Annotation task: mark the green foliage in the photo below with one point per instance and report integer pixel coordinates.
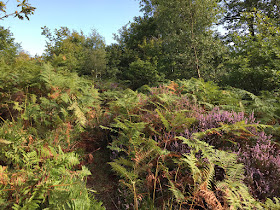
(208, 94)
(189, 46)
(235, 21)
(140, 153)
(254, 61)
(125, 103)
(54, 106)
(113, 54)
(48, 98)
(141, 73)
(138, 51)
(38, 175)
(203, 177)
(8, 46)
(272, 204)
(48, 110)
(76, 52)
(144, 131)
(177, 146)
(174, 41)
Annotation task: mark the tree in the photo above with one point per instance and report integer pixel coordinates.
(185, 28)
(132, 37)
(95, 55)
(113, 55)
(253, 31)
(75, 51)
(141, 73)
(8, 47)
(138, 46)
(176, 37)
(255, 59)
(235, 20)
(25, 10)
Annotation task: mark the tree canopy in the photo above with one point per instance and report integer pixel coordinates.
(76, 51)
(8, 47)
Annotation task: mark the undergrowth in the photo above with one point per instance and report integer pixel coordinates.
(187, 144)
(192, 145)
(43, 113)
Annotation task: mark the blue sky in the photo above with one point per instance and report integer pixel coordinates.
(106, 16)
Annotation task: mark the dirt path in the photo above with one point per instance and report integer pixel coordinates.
(103, 179)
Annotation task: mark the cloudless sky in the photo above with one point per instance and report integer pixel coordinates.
(106, 16)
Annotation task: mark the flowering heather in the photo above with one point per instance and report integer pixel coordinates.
(167, 114)
(262, 164)
(255, 149)
(214, 118)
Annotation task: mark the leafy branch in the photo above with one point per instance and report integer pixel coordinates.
(25, 10)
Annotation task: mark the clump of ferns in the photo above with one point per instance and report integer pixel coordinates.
(139, 160)
(200, 166)
(229, 131)
(141, 157)
(204, 153)
(37, 174)
(134, 168)
(192, 184)
(162, 121)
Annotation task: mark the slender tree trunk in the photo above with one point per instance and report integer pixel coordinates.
(251, 26)
(193, 45)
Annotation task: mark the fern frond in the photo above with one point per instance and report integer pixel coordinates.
(176, 192)
(208, 174)
(272, 204)
(163, 120)
(209, 197)
(191, 162)
(122, 171)
(81, 119)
